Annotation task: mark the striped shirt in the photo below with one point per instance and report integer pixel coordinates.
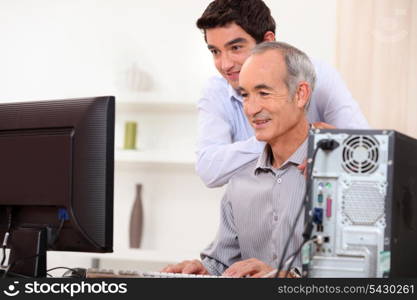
(257, 213)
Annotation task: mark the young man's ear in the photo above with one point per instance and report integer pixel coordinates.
(302, 94)
(269, 36)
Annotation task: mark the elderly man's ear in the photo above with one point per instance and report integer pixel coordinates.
(302, 94)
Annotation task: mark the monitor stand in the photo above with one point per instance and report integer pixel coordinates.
(28, 251)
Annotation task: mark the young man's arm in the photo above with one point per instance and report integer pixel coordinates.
(218, 157)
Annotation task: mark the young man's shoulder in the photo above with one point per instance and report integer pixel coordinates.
(216, 93)
(323, 69)
(216, 83)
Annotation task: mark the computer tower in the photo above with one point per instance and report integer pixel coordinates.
(362, 200)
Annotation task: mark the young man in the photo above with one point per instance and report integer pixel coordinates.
(262, 200)
(225, 140)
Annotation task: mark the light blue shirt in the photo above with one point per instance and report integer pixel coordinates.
(226, 140)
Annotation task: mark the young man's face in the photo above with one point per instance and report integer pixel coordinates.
(268, 105)
(230, 46)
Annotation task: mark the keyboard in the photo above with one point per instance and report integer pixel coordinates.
(96, 273)
(175, 275)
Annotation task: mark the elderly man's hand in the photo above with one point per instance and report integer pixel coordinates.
(187, 267)
(248, 268)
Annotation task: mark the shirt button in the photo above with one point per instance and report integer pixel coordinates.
(274, 257)
(275, 218)
(279, 180)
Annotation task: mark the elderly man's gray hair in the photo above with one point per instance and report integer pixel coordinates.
(299, 66)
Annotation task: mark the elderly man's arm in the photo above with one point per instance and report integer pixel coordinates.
(225, 249)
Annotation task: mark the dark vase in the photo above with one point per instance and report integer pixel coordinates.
(136, 219)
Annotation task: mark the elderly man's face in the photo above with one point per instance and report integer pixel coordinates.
(268, 105)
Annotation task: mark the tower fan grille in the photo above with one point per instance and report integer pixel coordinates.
(360, 154)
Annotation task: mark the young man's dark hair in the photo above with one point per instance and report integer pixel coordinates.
(252, 15)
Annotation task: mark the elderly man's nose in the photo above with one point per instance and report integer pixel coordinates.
(251, 106)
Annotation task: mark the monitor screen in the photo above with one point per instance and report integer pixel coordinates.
(56, 179)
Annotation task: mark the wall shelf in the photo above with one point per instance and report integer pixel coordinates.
(153, 103)
(157, 156)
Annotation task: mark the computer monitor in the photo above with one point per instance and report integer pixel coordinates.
(56, 179)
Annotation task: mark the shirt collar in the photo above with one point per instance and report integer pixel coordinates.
(264, 163)
(233, 94)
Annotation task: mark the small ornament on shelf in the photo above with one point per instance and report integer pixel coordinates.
(136, 219)
(130, 135)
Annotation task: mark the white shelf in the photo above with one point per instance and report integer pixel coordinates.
(157, 156)
(153, 103)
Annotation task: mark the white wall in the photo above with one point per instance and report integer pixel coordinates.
(55, 49)
(63, 48)
(308, 25)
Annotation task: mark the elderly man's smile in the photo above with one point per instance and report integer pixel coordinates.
(259, 124)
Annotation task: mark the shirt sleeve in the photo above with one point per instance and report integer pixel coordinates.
(224, 250)
(335, 104)
(218, 157)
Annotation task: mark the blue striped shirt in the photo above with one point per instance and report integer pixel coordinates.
(257, 213)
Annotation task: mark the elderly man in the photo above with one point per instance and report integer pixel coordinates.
(262, 200)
